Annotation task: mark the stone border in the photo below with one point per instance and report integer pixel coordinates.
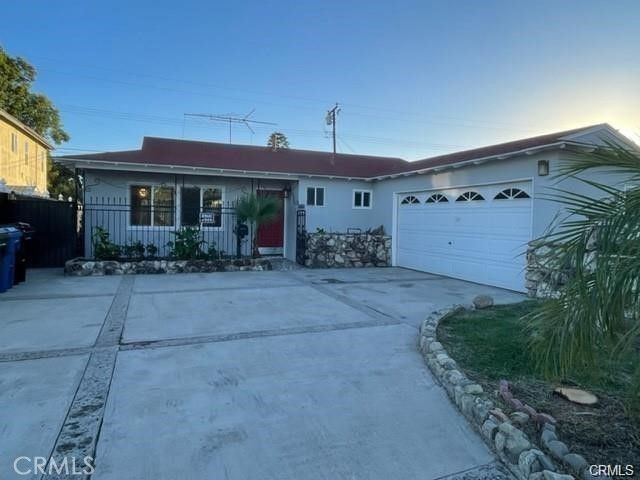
(522, 457)
(83, 267)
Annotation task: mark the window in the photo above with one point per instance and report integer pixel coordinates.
(26, 153)
(201, 207)
(511, 193)
(315, 196)
(152, 206)
(469, 197)
(436, 198)
(14, 143)
(362, 199)
(163, 210)
(409, 200)
(211, 207)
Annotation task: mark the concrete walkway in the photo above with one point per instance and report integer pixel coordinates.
(306, 374)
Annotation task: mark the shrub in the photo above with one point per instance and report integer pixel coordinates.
(135, 250)
(152, 250)
(187, 244)
(103, 248)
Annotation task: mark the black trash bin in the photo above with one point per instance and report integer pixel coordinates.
(24, 253)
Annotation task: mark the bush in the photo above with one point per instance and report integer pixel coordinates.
(134, 251)
(152, 251)
(103, 248)
(187, 244)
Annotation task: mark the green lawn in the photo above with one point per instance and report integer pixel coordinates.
(490, 342)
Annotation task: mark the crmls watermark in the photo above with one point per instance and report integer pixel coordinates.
(66, 466)
(614, 471)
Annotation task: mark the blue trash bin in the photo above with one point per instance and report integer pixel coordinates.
(4, 259)
(8, 260)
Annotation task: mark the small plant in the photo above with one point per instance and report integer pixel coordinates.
(103, 248)
(320, 230)
(187, 244)
(151, 250)
(213, 253)
(135, 250)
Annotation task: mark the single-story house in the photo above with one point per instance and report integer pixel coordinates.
(468, 214)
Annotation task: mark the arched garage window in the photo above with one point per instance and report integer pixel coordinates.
(469, 197)
(409, 200)
(436, 198)
(511, 193)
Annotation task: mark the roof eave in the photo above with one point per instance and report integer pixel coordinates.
(478, 160)
(30, 131)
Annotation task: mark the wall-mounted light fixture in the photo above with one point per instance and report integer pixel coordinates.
(543, 168)
(286, 191)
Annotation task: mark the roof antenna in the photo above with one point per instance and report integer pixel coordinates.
(231, 119)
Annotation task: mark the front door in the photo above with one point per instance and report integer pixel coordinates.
(271, 235)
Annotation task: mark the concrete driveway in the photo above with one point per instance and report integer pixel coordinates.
(305, 374)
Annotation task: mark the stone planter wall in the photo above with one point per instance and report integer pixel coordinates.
(82, 267)
(543, 281)
(326, 250)
(524, 459)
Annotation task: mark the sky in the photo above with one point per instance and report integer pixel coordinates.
(413, 79)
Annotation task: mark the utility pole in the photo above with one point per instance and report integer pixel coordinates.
(331, 120)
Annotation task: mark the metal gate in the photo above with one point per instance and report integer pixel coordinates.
(56, 227)
(301, 236)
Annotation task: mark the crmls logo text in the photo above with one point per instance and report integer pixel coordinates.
(66, 466)
(611, 470)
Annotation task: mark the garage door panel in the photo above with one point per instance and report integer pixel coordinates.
(482, 241)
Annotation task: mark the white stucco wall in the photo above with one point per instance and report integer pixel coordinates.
(337, 214)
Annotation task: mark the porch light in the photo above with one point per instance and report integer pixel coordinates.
(142, 193)
(543, 168)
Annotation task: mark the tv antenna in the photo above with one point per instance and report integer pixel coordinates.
(231, 119)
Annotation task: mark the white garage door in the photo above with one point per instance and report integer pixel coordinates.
(473, 233)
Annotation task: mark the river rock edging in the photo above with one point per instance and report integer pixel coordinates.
(523, 458)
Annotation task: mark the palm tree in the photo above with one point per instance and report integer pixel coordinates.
(259, 211)
(597, 246)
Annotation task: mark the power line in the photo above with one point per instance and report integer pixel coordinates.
(172, 121)
(467, 123)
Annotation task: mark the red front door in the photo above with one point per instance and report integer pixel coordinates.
(271, 235)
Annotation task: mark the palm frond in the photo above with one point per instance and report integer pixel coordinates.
(596, 244)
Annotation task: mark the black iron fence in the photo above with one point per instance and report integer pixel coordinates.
(301, 236)
(56, 226)
(123, 231)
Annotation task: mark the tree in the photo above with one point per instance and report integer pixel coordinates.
(258, 211)
(278, 141)
(37, 112)
(597, 313)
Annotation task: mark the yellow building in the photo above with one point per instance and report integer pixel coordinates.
(23, 158)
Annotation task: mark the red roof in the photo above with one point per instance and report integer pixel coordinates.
(189, 153)
(494, 150)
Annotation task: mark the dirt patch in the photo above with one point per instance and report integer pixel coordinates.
(602, 434)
